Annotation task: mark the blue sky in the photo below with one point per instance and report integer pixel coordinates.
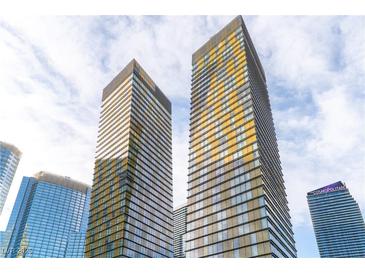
(53, 70)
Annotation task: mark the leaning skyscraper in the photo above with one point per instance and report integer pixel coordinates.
(131, 212)
(237, 205)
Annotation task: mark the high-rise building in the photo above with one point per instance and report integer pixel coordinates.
(49, 218)
(338, 224)
(237, 205)
(9, 160)
(131, 212)
(180, 231)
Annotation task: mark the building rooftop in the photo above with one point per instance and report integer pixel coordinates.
(11, 147)
(134, 66)
(218, 37)
(338, 186)
(61, 180)
(222, 34)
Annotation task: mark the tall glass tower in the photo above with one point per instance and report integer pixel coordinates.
(180, 231)
(9, 160)
(237, 205)
(131, 211)
(49, 218)
(338, 224)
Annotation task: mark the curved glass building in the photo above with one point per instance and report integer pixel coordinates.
(49, 218)
(9, 160)
(338, 224)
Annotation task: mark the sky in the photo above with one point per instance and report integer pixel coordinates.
(53, 70)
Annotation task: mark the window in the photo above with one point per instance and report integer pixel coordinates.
(225, 235)
(264, 223)
(246, 228)
(220, 247)
(192, 156)
(236, 243)
(253, 238)
(220, 236)
(262, 201)
(254, 250)
(245, 216)
(262, 212)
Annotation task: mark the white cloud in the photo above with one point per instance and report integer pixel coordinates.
(315, 67)
(52, 73)
(53, 70)
(49, 98)
(180, 162)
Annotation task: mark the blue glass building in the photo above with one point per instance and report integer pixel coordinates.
(9, 160)
(49, 218)
(337, 221)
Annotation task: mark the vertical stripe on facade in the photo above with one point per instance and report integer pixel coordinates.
(237, 204)
(131, 211)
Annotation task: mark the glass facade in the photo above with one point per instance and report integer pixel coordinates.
(180, 231)
(237, 204)
(49, 218)
(131, 211)
(338, 224)
(9, 160)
